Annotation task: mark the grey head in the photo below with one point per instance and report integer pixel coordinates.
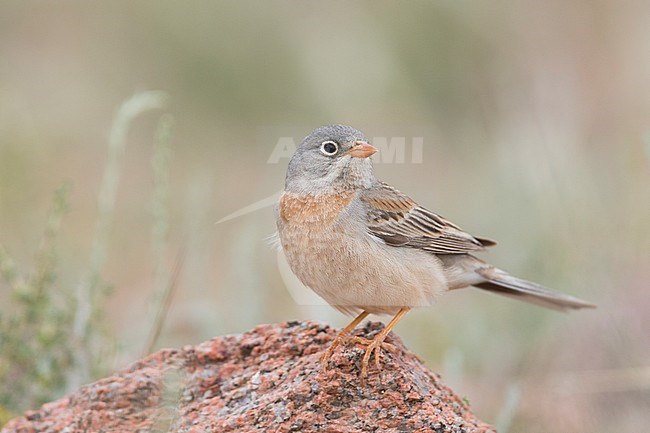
(331, 157)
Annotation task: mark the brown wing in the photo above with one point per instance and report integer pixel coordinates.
(399, 221)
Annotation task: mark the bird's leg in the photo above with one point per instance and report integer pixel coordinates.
(377, 343)
(340, 338)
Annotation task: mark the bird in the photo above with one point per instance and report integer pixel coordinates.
(367, 248)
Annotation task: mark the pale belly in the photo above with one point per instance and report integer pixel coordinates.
(354, 271)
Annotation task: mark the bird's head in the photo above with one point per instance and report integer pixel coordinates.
(334, 157)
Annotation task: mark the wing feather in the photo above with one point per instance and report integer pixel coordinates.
(399, 221)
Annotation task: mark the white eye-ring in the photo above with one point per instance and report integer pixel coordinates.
(329, 147)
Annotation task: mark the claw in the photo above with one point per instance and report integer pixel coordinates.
(375, 345)
(324, 359)
(341, 338)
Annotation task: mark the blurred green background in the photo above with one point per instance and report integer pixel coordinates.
(535, 121)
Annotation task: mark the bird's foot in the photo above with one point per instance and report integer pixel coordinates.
(340, 340)
(375, 345)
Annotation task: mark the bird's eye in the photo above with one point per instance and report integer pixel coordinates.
(329, 148)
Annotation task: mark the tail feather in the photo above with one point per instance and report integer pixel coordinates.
(505, 284)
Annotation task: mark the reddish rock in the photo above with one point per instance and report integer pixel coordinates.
(266, 380)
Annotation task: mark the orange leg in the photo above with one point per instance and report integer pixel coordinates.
(377, 343)
(340, 338)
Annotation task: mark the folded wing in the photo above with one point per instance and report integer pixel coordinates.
(398, 220)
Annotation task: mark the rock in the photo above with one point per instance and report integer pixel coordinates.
(266, 380)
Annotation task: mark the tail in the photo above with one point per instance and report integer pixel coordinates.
(505, 284)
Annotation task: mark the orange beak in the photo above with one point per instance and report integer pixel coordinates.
(361, 149)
